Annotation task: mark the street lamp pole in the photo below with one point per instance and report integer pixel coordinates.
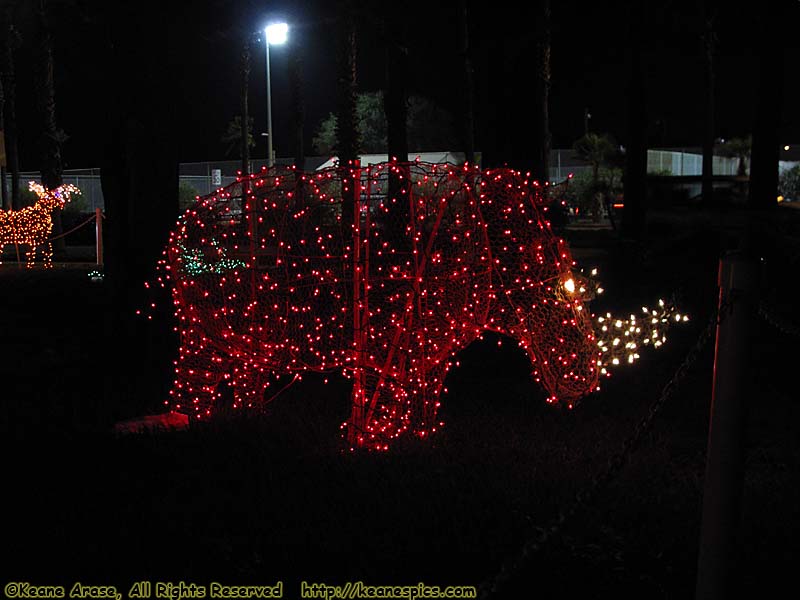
(275, 33)
(269, 109)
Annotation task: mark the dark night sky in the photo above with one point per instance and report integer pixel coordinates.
(588, 66)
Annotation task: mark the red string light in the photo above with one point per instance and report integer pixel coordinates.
(272, 277)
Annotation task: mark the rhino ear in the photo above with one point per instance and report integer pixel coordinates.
(578, 286)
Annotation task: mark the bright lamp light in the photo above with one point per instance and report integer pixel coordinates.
(276, 33)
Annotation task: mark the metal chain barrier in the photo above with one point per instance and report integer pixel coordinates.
(778, 322)
(545, 535)
(66, 233)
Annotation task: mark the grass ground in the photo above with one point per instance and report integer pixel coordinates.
(272, 497)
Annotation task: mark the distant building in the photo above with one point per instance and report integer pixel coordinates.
(661, 161)
(453, 158)
(205, 177)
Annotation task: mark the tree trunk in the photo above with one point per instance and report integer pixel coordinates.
(396, 108)
(709, 41)
(347, 135)
(51, 166)
(635, 185)
(297, 102)
(10, 42)
(468, 106)
(741, 167)
(395, 103)
(541, 163)
(765, 155)
(4, 200)
(139, 176)
(244, 143)
(496, 126)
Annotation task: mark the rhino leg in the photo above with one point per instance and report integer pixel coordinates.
(380, 412)
(425, 398)
(249, 381)
(394, 406)
(197, 377)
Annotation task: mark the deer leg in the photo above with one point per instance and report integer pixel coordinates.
(30, 256)
(47, 252)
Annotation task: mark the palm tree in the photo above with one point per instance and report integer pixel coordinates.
(468, 108)
(52, 138)
(738, 148)
(541, 163)
(763, 191)
(244, 132)
(139, 176)
(346, 119)
(395, 99)
(232, 138)
(9, 42)
(297, 103)
(395, 106)
(594, 149)
(635, 183)
(597, 150)
(347, 135)
(709, 43)
(4, 204)
(428, 126)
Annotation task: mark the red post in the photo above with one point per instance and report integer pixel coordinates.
(738, 280)
(98, 234)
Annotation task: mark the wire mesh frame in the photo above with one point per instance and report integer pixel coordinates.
(271, 277)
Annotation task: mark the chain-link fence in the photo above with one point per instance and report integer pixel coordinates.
(205, 177)
(86, 180)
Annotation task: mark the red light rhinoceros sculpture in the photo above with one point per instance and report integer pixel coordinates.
(383, 273)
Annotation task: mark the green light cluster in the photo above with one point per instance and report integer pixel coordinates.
(195, 263)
